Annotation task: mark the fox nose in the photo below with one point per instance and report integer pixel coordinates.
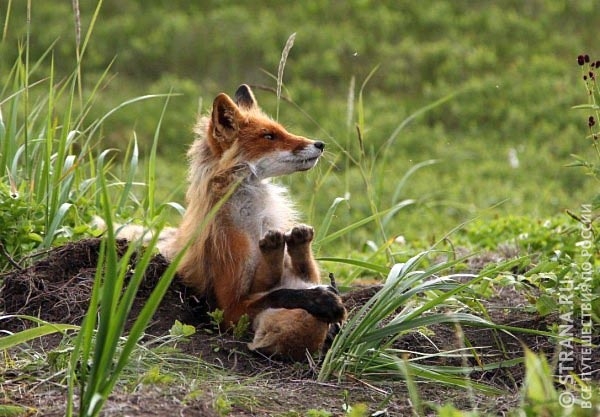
(319, 145)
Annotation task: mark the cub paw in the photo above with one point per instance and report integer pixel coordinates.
(299, 235)
(332, 331)
(327, 305)
(273, 239)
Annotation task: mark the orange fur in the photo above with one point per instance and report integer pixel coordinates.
(252, 245)
(289, 332)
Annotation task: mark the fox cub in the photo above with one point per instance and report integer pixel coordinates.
(247, 250)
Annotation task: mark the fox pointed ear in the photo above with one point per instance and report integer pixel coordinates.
(225, 115)
(245, 98)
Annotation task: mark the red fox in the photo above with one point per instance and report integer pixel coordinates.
(252, 256)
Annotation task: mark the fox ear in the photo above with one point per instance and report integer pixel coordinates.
(245, 98)
(225, 114)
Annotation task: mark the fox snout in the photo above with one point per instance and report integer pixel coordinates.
(307, 157)
(314, 149)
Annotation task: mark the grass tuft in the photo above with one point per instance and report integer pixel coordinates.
(411, 298)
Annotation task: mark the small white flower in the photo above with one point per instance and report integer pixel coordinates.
(513, 158)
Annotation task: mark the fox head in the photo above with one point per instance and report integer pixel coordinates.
(239, 126)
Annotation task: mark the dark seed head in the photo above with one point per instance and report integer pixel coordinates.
(580, 60)
(586, 58)
(591, 121)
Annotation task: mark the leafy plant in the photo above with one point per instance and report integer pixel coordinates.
(50, 160)
(180, 330)
(242, 327)
(589, 68)
(365, 346)
(22, 224)
(216, 317)
(223, 405)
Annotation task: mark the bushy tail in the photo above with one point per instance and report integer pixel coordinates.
(135, 232)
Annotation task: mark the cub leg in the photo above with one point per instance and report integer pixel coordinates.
(270, 265)
(303, 265)
(319, 301)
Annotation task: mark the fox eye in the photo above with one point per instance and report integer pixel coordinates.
(269, 136)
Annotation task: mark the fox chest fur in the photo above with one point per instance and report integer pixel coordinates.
(258, 206)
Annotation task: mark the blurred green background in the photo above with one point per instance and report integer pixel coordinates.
(502, 141)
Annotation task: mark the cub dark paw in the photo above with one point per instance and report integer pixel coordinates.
(328, 306)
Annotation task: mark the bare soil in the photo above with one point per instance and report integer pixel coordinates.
(57, 289)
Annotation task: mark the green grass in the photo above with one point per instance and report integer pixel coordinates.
(510, 95)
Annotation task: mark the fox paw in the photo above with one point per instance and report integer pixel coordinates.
(272, 240)
(299, 235)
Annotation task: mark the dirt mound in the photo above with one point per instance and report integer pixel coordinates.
(58, 288)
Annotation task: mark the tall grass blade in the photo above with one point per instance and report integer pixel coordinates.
(413, 392)
(114, 297)
(151, 173)
(98, 123)
(360, 109)
(323, 229)
(131, 171)
(45, 328)
(284, 56)
(57, 220)
(400, 186)
(390, 141)
(337, 234)
(6, 20)
(88, 34)
(369, 266)
(78, 370)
